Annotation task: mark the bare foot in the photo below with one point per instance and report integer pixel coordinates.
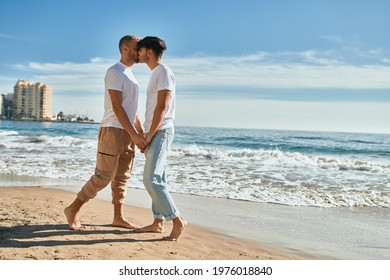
(179, 225)
(73, 219)
(157, 227)
(124, 224)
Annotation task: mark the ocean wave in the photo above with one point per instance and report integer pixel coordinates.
(4, 133)
(277, 157)
(32, 139)
(294, 195)
(44, 141)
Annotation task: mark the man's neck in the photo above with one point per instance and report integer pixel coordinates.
(153, 64)
(127, 62)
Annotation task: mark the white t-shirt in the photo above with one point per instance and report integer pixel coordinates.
(162, 78)
(119, 77)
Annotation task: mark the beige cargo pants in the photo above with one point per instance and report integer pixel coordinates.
(114, 162)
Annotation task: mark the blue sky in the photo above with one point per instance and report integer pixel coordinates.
(302, 65)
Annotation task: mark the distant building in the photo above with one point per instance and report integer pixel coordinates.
(32, 100)
(2, 104)
(8, 105)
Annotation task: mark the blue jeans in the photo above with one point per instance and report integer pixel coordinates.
(155, 177)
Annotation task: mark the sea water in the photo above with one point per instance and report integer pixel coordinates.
(298, 168)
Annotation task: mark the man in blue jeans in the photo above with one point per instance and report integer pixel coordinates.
(159, 132)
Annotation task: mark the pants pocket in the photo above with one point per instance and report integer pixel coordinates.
(106, 163)
(109, 141)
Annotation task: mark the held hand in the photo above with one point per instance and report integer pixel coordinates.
(147, 141)
(140, 142)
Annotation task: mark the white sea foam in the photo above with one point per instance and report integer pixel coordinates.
(4, 133)
(262, 175)
(280, 177)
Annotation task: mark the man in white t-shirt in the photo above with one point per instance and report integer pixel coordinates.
(159, 132)
(119, 132)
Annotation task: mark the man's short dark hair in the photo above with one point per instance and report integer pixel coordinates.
(153, 43)
(126, 40)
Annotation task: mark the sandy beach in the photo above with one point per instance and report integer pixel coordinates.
(32, 226)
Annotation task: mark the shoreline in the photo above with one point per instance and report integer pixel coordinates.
(304, 232)
(33, 227)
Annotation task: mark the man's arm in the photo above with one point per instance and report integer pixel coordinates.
(138, 125)
(159, 112)
(116, 101)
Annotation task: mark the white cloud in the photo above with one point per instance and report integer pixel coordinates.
(309, 69)
(96, 65)
(385, 60)
(299, 70)
(69, 76)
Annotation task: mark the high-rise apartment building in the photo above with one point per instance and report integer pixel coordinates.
(32, 100)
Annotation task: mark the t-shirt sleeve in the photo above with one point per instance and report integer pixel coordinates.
(166, 80)
(113, 80)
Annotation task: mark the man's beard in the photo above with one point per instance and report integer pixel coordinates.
(134, 58)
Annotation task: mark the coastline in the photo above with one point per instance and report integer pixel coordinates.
(48, 120)
(298, 232)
